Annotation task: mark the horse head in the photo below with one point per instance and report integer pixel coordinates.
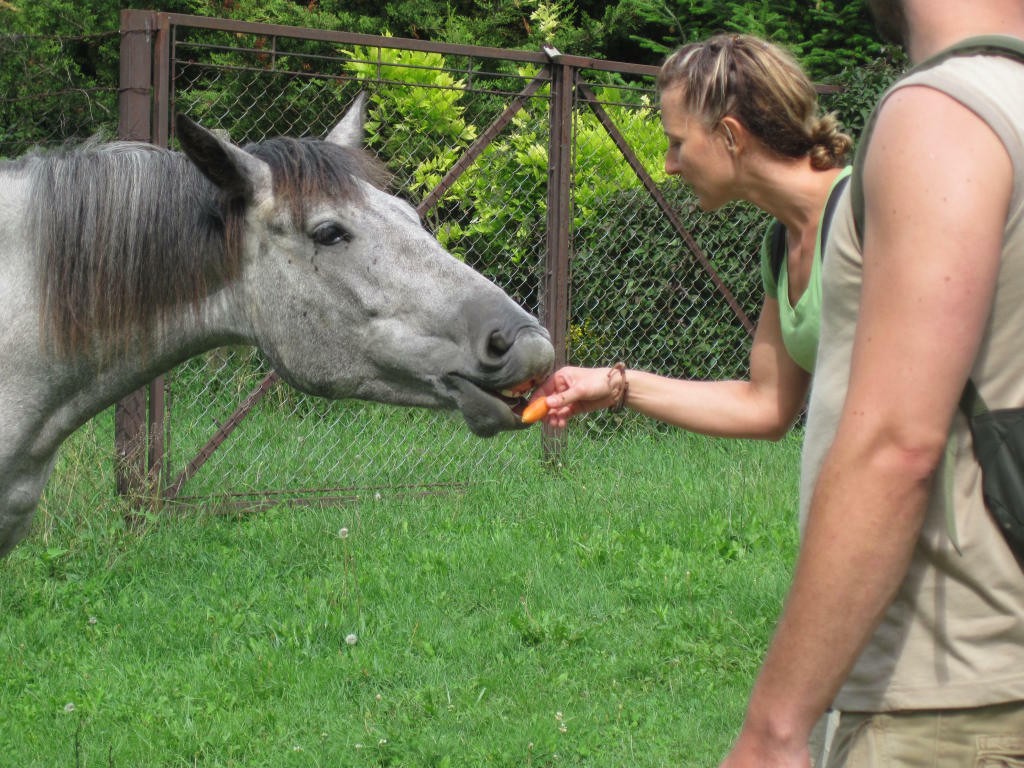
(348, 295)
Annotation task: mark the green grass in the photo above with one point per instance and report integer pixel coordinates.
(609, 612)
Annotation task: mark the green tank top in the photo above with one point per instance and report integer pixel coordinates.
(800, 323)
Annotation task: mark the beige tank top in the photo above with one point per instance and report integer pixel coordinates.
(954, 636)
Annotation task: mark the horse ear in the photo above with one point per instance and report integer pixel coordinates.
(232, 169)
(349, 132)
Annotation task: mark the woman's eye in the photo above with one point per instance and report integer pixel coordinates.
(331, 234)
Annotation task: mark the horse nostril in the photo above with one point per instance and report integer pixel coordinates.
(498, 344)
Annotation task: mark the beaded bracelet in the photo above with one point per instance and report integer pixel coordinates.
(619, 388)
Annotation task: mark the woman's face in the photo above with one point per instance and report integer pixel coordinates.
(700, 157)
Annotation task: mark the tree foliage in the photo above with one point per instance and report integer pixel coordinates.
(833, 39)
(827, 35)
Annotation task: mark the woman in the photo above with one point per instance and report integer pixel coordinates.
(742, 123)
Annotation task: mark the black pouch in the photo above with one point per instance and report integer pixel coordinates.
(999, 449)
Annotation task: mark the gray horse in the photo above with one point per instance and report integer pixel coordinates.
(118, 261)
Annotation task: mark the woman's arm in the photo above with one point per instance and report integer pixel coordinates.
(764, 406)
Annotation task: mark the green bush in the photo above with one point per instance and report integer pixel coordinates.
(861, 87)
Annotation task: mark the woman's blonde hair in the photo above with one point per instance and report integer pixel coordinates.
(763, 87)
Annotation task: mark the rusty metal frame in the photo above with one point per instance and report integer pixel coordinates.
(554, 310)
(134, 453)
(145, 105)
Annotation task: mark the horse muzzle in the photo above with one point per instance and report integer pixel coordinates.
(511, 359)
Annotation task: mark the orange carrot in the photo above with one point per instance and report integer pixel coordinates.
(535, 411)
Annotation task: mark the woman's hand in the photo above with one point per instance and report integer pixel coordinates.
(571, 391)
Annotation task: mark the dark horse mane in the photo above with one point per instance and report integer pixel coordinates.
(126, 232)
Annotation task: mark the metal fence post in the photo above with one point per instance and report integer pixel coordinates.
(135, 122)
(554, 307)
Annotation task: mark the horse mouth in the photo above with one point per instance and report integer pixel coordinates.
(517, 397)
(488, 410)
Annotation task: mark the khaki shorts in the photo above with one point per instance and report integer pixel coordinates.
(987, 737)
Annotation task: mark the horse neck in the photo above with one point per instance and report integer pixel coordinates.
(85, 384)
(181, 334)
(59, 389)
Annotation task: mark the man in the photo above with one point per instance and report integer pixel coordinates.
(912, 626)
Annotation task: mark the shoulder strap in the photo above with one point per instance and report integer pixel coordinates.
(777, 248)
(777, 244)
(830, 209)
(993, 45)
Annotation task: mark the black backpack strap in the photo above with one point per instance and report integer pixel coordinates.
(992, 45)
(777, 243)
(971, 403)
(777, 248)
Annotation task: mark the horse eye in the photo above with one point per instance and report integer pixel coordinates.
(331, 233)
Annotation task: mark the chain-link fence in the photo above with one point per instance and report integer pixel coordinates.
(582, 229)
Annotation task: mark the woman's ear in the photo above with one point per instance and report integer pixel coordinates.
(732, 131)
